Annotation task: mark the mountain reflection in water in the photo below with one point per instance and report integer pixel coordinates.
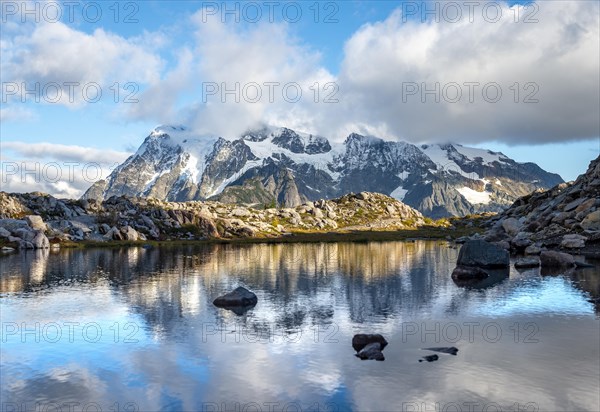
(523, 338)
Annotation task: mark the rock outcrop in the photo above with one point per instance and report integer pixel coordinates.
(140, 219)
(565, 217)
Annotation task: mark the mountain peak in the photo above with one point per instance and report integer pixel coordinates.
(176, 164)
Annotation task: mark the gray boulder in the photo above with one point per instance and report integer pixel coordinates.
(24, 233)
(130, 233)
(511, 226)
(4, 233)
(482, 254)
(113, 234)
(550, 258)
(573, 241)
(591, 221)
(527, 262)
(13, 224)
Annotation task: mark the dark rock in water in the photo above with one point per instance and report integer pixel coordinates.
(240, 298)
(528, 262)
(449, 350)
(430, 358)
(361, 340)
(583, 264)
(549, 258)
(468, 272)
(371, 352)
(558, 271)
(482, 254)
(495, 276)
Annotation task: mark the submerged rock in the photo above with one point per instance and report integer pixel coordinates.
(430, 358)
(468, 272)
(371, 352)
(240, 297)
(533, 250)
(449, 350)
(494, 277)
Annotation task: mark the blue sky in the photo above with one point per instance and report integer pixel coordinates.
(377, 59)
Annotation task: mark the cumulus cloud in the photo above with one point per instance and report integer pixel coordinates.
(231, 77)
(555, 61)
(66, 66)
(61, 170)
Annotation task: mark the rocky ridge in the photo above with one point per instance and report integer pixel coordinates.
(37, 220)
(280, 166)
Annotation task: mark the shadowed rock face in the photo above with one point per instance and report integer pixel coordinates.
(483, 254)
(361, 340)
(550, 258)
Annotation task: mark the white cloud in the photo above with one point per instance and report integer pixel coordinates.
(51, 56)
(64, 152)
(15, 113)
(560, 54)
(264, 58)
(61, 170)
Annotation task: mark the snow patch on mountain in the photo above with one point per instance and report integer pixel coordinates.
(472, 153)
(399, 193)
(474, 197)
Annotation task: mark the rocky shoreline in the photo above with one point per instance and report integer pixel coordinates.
(37, 220)
(565, 218)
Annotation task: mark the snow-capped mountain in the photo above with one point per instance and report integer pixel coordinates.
(281, 165)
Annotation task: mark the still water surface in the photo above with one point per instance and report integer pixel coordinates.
(135, 330)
